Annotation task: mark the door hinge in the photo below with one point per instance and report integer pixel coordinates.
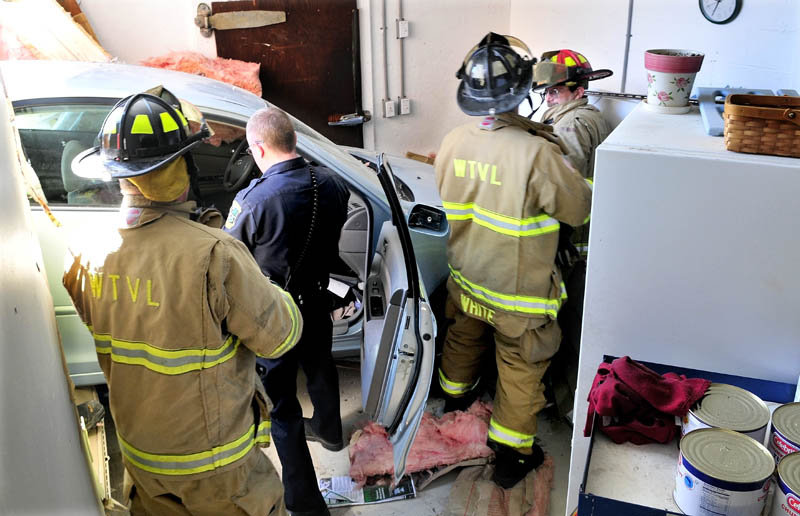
(208, 22)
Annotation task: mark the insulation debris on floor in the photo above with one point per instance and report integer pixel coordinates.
(475, 494)
(232, 71)
(42, 29)
(454, 440)
(455, 437)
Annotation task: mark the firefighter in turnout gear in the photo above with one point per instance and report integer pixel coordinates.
(178, 311)
(563, 76)
(506, 187)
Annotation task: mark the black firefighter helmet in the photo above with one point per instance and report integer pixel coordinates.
(142, 133)
(494, 77)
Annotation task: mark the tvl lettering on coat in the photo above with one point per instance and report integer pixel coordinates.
(482, 169)
(133, 284)
(468, 306)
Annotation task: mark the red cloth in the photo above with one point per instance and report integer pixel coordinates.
(640, 402)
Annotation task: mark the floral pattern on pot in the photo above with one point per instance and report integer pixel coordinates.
(669, 89)
(682, 83)
(664, 97)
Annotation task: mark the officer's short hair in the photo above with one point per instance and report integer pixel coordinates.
(273, 127)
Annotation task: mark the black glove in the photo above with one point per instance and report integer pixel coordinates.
(567, 253)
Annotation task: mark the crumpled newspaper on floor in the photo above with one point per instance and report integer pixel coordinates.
(475, 494)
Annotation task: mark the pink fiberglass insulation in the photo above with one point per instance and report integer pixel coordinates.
(232, 71)
(455, 437)
(541, 488)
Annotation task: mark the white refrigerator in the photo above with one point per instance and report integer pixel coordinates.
(694, 258)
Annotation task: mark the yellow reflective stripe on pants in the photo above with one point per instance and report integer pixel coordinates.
(164, 361)
(503, 224)
(454, 388)
(523, 304)
(508, 437)
(190, 464)
(563, 292)
(294, 334)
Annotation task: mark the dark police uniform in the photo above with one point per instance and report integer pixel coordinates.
(272, 217)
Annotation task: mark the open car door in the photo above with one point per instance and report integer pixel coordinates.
(399, 333)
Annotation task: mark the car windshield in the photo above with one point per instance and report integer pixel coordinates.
(354, 168)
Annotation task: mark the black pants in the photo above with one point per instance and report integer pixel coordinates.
(279, 376)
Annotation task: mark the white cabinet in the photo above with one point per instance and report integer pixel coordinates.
(694, 258)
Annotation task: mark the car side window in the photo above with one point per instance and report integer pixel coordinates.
(52, 135)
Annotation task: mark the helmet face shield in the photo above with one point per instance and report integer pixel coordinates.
(547, 74)
(142, 133)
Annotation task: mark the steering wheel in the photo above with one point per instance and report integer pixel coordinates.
(239, 168)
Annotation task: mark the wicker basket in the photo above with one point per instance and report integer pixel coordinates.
(763, 124)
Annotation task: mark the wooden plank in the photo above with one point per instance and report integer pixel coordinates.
(42, 29)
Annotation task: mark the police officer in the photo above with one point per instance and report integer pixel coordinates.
(505, 186)
(291, 218)
(564, 75)
(178, 311)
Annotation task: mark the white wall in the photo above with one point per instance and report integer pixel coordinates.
(440, 35)
(132, 30)
(596, 29)
(756, 50)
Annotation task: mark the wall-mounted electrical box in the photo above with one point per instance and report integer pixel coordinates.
(405, 106)
(388, 108)
(402, 29)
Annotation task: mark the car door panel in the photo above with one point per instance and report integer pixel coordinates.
(399, 332)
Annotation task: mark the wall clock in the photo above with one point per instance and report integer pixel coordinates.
(720, 11)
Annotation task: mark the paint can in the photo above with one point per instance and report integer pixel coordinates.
(785, 436)
(787, 492)
(729, 407)
(722, 473)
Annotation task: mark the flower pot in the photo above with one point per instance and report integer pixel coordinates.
(670, 76)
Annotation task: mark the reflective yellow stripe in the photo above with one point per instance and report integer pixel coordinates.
(183, 118)
(454, 388)
(141, 125)
(163, 361)
(508, 437)
(563, 292)
(499, 223)
(262, 436)
(294, 333)
(192, 463)
(168, 123)
(524, 304)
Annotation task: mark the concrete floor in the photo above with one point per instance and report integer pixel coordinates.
(554, 434)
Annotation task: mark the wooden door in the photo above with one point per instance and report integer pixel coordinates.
(310, 64)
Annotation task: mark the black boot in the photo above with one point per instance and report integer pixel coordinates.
(461, 403)
(311, 435)
(512, 466)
